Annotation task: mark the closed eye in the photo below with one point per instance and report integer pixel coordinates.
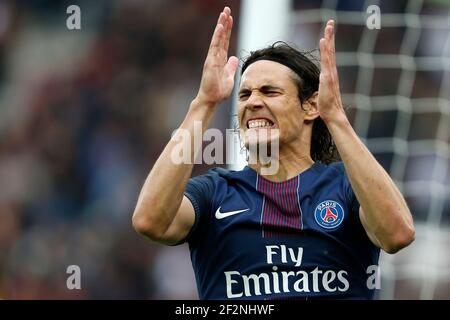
(272, 93)
(268, 91)
(243, 95)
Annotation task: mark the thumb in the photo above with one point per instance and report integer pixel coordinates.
(231, 66)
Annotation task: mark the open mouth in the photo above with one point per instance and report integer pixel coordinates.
(259, 123)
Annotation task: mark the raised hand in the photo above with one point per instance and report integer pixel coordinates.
(219, 70)
(329, 97)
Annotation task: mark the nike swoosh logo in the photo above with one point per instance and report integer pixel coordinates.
(221, 215)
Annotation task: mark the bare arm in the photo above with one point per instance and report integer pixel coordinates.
(383, 212)
(162, 212)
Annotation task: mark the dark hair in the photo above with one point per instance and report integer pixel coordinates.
(323, 148)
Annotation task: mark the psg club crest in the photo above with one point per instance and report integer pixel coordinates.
(329, 214)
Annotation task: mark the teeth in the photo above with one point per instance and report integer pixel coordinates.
(258, 124)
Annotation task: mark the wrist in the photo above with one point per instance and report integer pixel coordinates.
(201, 102)
(200, 111)
(338, 124)
(338, 119)
(341, 131)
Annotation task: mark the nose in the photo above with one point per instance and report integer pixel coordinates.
(254, 101)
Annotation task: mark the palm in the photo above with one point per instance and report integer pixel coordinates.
(217, 82)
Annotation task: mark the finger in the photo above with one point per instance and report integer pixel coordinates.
(331, 36)
(223, 37)
(329, 47)
(215, 41)
(330, 23)
(323, 56)
(217, 35)
(328, 64)
(228, 34)
(223, 17)
(231, 66)
(328, 32)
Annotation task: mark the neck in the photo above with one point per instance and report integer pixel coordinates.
(292, 161)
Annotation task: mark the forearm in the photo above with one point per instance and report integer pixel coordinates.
(384, 213)
(160, 213)
(163, 189)
(385, 210)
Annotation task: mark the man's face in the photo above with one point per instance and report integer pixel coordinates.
(267, 100)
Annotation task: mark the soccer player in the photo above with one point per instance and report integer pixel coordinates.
(313, 229)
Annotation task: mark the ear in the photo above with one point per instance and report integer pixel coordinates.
(310, 107)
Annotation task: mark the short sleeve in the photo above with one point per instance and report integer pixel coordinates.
(200, 191)
(354, 203)
(351, 200)
(350, 195)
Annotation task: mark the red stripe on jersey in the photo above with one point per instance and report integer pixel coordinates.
(281, 214)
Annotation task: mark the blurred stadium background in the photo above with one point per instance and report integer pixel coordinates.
(84, 115)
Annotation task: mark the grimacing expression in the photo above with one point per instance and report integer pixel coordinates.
(268, 99)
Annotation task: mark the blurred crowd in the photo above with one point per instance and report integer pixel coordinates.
(84, 114)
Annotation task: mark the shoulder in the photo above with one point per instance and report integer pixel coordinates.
(332, 175)
(338, 167)
(333, 169)
(215, 173)
(212, 177)
(219, 173)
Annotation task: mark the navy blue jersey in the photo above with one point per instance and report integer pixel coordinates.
(301, 238)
